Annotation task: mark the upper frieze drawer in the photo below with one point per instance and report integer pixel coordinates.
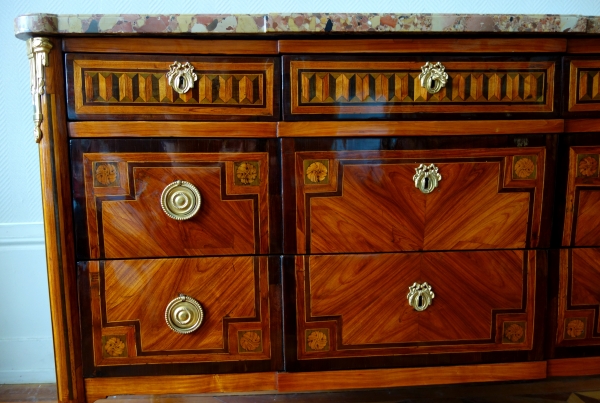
(349, 88)
(125, 87)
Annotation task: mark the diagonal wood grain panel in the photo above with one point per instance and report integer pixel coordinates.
(360, 302)
(582, 210)
(371, 204)
(129, 298)
(579, 297)
(125, 217)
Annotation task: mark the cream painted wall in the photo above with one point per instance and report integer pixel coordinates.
(25, 334)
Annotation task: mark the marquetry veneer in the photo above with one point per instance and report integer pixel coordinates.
(305, 246)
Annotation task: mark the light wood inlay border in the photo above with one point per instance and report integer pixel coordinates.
(172, 129)
(418, 128)
(170, 46)
(99, 388)
(423, 46)
(388, 378)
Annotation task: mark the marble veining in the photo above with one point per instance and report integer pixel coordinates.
(41, 24)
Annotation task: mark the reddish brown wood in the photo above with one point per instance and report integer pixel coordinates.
(579, 297)
(310, 88)
(173, 129)
(583, 77)
(443, 45)
(583, 45)
(99, 388)
(58, 229)
(480, 203)
(582, 126)
(417, 128)
(171, 46)
(102, 87)
(125, 217)
(129, 298)
(358, 303)
(582, 211)
(574, 366)
(387, 378)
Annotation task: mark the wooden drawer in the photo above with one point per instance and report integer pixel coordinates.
(356, 305)
(123, 189)
(348, 87)
(578, 298)
(583, 84)
(365, 200)
(582, 212)
(124, 307)
(117, 87)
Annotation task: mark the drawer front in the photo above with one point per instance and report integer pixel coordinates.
(582, 213)
(138, 87)
(357, 305)
(380, 88)
(368, 201)
(126, 303)
(579, 298)
(126, 200)
(584, 84)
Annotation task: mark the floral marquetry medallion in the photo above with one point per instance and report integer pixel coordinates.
(114, 346)
(106, 174)
(513, 332)
(317, 340)
(587, 165)
(524, 167)
(316, 172)
(575, 328)
(246, 173)
(250, 341)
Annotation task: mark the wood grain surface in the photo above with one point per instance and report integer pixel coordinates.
(428, 46)
(178, 46)
(386, 87)
(172, 129)
(416, 128)
(582, 45)
(359, 303)
(58, 224)
(582, 126)
(105, 86)
(128, 299)
(99, 388)
(125, 217)
(582, 210)
(369, 202)
(584, 88)
(387, 378)
(574, 366)
(579, 297)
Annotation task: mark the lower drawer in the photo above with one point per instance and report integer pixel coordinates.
(391, 309)
(577, 327)
(222, 312)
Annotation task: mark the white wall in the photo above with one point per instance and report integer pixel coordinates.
(25, 334)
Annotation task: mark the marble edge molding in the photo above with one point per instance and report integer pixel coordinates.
(76, 24)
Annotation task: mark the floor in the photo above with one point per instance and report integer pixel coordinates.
(571, 390)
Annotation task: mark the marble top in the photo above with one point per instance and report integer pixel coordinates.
(128, 24)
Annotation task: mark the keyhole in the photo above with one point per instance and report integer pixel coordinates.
(181, 82)
(431, 83)
(420, 303)
(426, 183)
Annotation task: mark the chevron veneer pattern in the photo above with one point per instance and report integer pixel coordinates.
(405, 86)
(589, 85)
(153, 87)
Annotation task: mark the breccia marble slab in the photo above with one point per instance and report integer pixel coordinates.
(42, 24)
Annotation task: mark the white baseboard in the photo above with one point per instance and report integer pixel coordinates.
(26, 350)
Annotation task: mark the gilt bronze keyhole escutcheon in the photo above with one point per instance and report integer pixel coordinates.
(426, 178)
(420, 296)
(433, 77)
